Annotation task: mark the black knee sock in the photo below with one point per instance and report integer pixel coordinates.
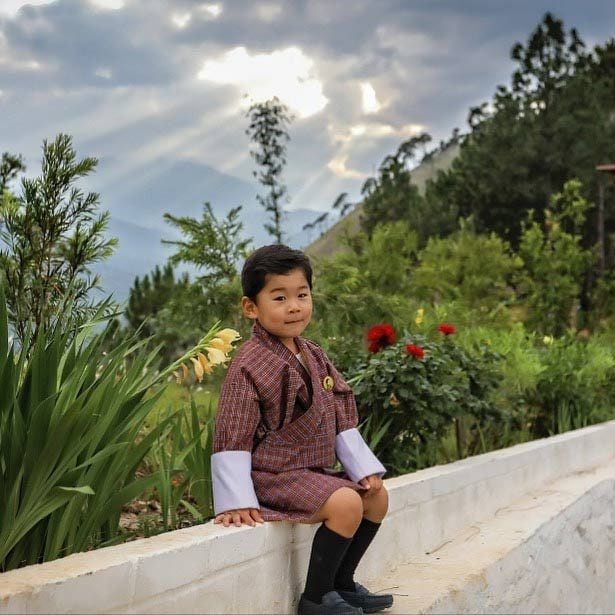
(344, 579)
(328, 550)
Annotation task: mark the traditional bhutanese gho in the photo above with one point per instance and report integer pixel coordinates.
(282, 421)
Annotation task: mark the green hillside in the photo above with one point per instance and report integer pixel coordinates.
(329, 242)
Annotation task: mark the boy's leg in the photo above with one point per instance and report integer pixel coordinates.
(375, 508)
(341, 514)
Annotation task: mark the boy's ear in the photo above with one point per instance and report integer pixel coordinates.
(249, 308)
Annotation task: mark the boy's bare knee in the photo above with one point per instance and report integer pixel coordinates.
(346, 500)
(384, 499)
(376, 505)
(345, 505)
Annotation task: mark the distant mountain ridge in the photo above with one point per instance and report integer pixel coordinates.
(137, 205)
(329, 243)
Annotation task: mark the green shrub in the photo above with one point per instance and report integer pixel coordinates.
(367, 285)
(478, 270)
(555, 261)
(576, 387)
(420, 399)
(71, 439)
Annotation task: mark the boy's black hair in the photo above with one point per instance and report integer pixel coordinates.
(277, 259)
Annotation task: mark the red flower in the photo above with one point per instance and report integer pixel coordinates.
(416, 351)
(446, 329)
(380, 336)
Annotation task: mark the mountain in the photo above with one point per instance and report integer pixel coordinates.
(329, 243)
(138, 202)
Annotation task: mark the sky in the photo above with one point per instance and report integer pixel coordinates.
(148, 84)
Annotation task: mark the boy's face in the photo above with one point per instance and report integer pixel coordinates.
(283, 307)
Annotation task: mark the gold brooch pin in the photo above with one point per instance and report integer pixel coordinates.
(327, 383)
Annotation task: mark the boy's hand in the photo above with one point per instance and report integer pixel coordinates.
(373, 483)
(249, 516)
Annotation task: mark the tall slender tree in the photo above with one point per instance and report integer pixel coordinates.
(268, 130)
(51, 234)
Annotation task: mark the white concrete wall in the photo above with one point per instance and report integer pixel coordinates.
(550, 551)
(209, 569)
(567, 565)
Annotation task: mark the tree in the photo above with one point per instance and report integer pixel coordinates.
(391, 196)
(213, 246)
(369, 283)
(342, 204)
(555, 121)
(149, 295)
(267, 129)
(480, 270)
(52, 234)
(10, 166)
(555, 261)
(318, 223)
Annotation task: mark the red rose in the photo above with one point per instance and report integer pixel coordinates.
(446, 329)
(416, 351)
(380, 336)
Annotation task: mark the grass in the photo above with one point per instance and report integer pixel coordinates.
(176, 396)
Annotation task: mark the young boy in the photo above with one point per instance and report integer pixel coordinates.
(285, 414)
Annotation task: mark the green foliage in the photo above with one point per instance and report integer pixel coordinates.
(213, 246)
(575, 388)
(69, 419)
(147, 298)
(366, 285)
(554, 122)
(184, 316)
(71, 439)
(555, 261)
(603, 301)
(268, 131)
(420, 399)
(391, 196)
(175, 312)
(52, 234)
(173, 477)
(10, 167)
(480, 270)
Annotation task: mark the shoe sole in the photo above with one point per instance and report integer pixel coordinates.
(375, 608)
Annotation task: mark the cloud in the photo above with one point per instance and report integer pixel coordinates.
(370, 102)
(338, 167)
(11, 7)
(285, 73)
(181, 19)
(112, 5)
(360, 77)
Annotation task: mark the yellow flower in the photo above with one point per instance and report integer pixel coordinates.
(220, 344)
(228, 335)
(393, 400)
(198, 369)
(205, 364)
(216, 356)
(419, 316)
(185, 372)
(178, 378)
(548, 339)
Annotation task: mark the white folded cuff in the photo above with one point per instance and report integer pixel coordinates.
(356, 457)
(232, 481)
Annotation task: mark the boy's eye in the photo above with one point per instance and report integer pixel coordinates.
(280, 298)
(302, 295)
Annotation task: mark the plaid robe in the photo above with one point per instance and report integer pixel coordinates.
(277, 421)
